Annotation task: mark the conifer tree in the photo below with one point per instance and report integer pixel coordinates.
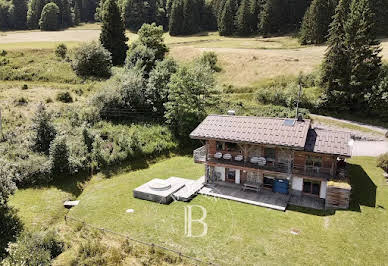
(190, 16)
(176, 18)
(315, 25)
(34, 12)
(19, 14)
(226, 23)
(336, 65)
(77, 13)
(364, 50)
(253, 15)
(242, 22)
(112, 35)
(273, 17)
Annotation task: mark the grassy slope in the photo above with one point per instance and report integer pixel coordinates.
(238, 233)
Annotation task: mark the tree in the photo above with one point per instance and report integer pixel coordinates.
(191, 16)
(112, 35)
(43, 130)
(49, 18)
(151, 36)
(273, 16)
(157, 87)
(59, 155)
(316, 22)
(226, 22)
(34, 12)
(92, 59)
(77, 13)
(352, 63)
(141, 58)
(19, 14)
(336, 65)
(190, 95)
(133, 14)
(253, 15)
(5, 16)
(364, 50)
(243, 19)
(175, 25)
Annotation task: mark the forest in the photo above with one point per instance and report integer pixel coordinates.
(185, 17)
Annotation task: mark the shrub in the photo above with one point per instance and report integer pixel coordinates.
(25, 87)
(34, 249)
(382, 162)
(49, 17)
(91, 253)
(61, 51)
(21, 101)
(64, 97)
(59, 156)
(210, 59)
(3, 53)
(92, 59)
(43, 130)
(4, 61)
(49, 100)
(141, 57)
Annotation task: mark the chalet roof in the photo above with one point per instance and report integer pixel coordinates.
(255, 130)
(327, 141)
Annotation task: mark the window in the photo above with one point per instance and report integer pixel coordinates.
(269, 153)
(311, 187)
(219, 146)
(314, 161)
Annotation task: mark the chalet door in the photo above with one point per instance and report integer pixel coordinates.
(230, 175)
(311, 187)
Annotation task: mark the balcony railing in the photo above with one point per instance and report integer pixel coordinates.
(270, 166)
(200, 155)
(312, 171)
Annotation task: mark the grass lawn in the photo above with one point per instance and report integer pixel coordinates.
(240, 233)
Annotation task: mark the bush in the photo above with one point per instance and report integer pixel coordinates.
(64, 97)
(21, 101)
(92, 59)
(382, 162)
(43, 130)
(25, 87)
(61, 51)
(34, 249)
(3, 53)
(210, 59)
(59, 156)
(49, 17)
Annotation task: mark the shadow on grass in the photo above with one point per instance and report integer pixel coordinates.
(363, 188)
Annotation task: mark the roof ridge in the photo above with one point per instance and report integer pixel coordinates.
(261, 117)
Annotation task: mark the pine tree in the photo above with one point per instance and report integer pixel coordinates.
(175, 24)
(34, 12)
(49, 18)
(242, 22)
(19, 14)
(133, 14)
(336, 65)
(364, 50)
(273, 17)
(77, 13)
(253, 15)
(315, 25)
(112, 35)
(190, 17)
(226, 23)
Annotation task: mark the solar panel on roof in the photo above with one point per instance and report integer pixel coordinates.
(289, 122)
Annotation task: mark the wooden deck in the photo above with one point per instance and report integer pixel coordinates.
(262, 198)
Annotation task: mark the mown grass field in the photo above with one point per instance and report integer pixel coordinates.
(238, 234)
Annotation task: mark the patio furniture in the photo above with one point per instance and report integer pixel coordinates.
(238, 158)
(251, 186)
(218, 155)
(254, 160)
(227, 156)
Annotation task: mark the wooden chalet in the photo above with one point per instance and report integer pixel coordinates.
(285, 156)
